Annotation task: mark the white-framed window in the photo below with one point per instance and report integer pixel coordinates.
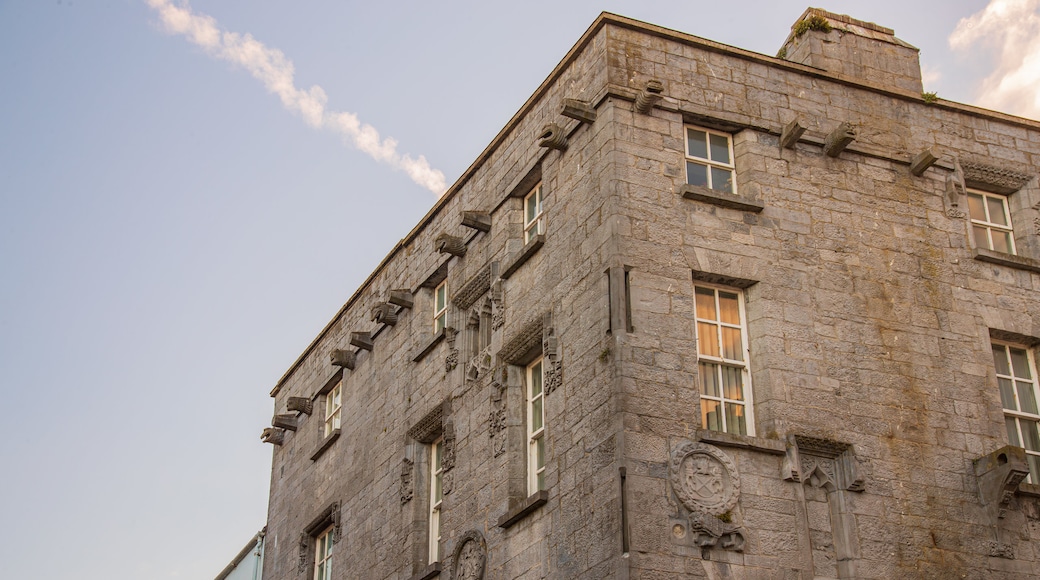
(722, 360)
(991, 221)
(333, 408)
(1019, 393)
(436, 496)
(535, 427)
(534, 220)
(440, 306)
(709, 159)
(323, 555)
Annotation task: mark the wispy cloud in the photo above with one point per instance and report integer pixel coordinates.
(271, 67)
(1011, 30)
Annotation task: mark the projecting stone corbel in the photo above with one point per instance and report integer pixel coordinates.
(791, 133)
(284, 421)
(343, 358)
(999, 474)
(449, 244)
(273, 435)
(552, 137)
(384, 313)
(922, 161)
(478, 220)
(361, 340)
(839, 139)
(578, 110)
(648, 97)
(402, 298)
(300, 405)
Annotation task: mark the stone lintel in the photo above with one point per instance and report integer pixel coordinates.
(402, 298)
(343, 358)
(728, 200)
(525, 253)
(578, 110)
(478, 220)
(325, 444)
(284, 421)
(361, 340)
(528, 505)
(1020, 262)
(839, 139)
(922, 161)
(427, 345)
(791, 133)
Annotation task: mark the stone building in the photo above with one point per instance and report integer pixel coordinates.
(695, 312)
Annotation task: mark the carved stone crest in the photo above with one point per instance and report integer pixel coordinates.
(497, 419)
(406, 480)
(704, 478)
(470, 557)
(1001, 550)
(452, 360)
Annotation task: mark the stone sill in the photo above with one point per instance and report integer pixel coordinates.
(431, 571)
(532, 503)
(326, 444)
(771, 446)
(1020, 262)
(525, 253)
(698, 193)
(1029, 489)
(428, 345)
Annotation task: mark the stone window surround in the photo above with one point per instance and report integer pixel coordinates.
(991, 227)
(534, 224)
(1019, 414)
(1032, 345)
(708, 161)
(326, 441)
(434, 451)
(327, 521)
(436, 427)
(748, 393)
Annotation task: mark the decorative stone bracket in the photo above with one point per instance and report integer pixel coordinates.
(449, 244)
(284, 421)
(839, 139)
(580, 111)
(648, 97)
(343, 358)
(999, 474)
(384, 313)
(273, 435)
(552, 137)
(362, 340)
(300, 405)
(402, 298)
(823, 463)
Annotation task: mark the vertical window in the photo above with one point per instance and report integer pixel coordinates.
(534, 221)
(323, 555)
(722, 361)
(333, 408)
(535, 428)
(1017, 380)
(436, 495)
(709, 159)
(440, 306)
(991, 221)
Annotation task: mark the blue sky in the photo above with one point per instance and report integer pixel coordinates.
(172, 236)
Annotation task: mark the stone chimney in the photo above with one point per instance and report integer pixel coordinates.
(862, 50)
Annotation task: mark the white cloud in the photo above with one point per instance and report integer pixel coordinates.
(1010, 30)
(271, 67)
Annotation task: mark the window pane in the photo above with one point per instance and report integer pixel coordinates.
(437, 494)
(1012, 431)
(437, 461)
(707, 339)
(1020, 362)
(1034, 468)
(696, 174)
(536, 414)
(976, 208)
(719, 148)
(1001, 241)
(982, 237)
(705, 303)
(1030, 437)
(532, 209)
(697, 141)
(710, 416)
(729, 308)
(996, 210)
(1000, 360)
(722, 180)
(732, 349)
(735, 422)
(539, 452)
(732, 383)
(536, 379)
(709, 379)
(1026, 397)
(1007, 394)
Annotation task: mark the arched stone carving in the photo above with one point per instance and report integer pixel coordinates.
(469, 560)
(704, 478)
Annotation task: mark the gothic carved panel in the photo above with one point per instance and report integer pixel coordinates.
(995, 178)
(472, 290)
(822, 463)
(469, 560)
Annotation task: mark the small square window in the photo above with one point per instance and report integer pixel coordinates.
(1019, 395)
(436, 496)
(991, 221)
(534, 377)
(534, 220)
(722, 361)
(333, 408)
(323, 555)
(440, 307)
(709, 160)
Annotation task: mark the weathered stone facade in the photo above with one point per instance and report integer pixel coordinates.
(876, 443)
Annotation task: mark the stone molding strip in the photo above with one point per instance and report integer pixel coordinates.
(532, 503)
(525, 254)
(325, 444)
(1020, 262)
(427, 346)
(728, 200)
